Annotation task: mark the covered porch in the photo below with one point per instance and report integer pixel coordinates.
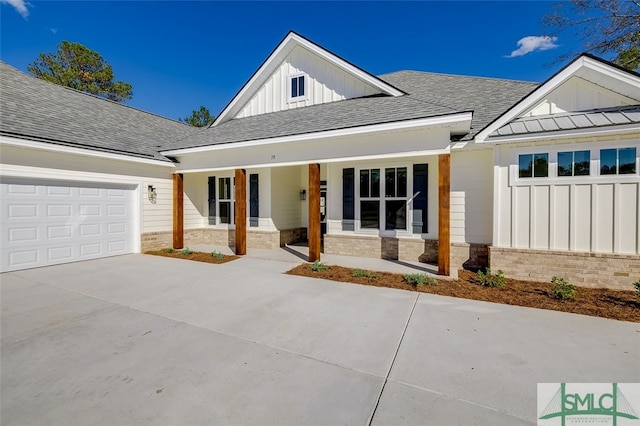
(391, 210)
(379, 192)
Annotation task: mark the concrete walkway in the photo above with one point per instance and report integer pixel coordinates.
(148, 340)
(296, 254)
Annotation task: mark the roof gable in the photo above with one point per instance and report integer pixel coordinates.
(331, 78)
(578, 94)
(587, 83)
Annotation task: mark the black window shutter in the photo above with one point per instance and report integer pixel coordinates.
(420, 184)
(254, 211)
(212, 200)
(348, 199)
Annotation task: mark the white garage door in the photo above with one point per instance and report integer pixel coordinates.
(46, 223)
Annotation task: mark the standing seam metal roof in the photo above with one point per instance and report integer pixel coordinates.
(571, 121)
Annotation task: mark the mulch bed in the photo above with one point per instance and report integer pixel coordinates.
(198, 256)
(600, 302)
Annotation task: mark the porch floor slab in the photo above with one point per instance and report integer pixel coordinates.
(297, 254)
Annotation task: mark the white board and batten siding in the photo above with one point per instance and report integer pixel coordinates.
(577, 94)
(594, 213)
(325, 83)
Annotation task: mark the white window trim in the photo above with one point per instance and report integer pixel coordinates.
(381, 232)
(594, 176)
(219, 223)
(304, 97)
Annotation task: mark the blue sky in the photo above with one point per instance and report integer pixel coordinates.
(180, 55)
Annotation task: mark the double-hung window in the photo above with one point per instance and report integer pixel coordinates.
(370, 199)
(395, 195)
(225, 200)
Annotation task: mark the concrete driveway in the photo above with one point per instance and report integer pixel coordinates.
(148, 340)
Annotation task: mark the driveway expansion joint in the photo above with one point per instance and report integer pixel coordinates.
(393, 360)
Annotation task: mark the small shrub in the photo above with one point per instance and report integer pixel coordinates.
(217, 255)
(419, 279)
(186, 251)
(563, 289)
(318, 266)
(170, 250)
(637, 286)
(364, 274)
(489, 279)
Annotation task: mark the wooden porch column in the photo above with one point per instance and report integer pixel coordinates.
(241, 211)
(313, 230)
(178, 211)
(444, 213)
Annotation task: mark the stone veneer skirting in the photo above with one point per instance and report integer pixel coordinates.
(618, 271)
(256, 239)
(413, 249)
(463, 255)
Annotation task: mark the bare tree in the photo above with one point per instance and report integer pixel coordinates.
(604, 27)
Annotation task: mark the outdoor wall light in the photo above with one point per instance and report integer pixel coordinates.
(151, 193)
(303, 195)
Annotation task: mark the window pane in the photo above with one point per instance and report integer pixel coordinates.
(581, 163)
(627, 158)
(375, 183)
(402, 182)
(608, 162)
(224, 185)
(294, 87)
(396, 214)
(370, 214)
(301, 86)
(525, 165)
(565, 163)
(390, 183)
(364, 183)
(225, 212)
(541, 165)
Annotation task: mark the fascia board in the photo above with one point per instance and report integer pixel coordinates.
(278, 55)
(598, 131)
(530, 100)
(322, 161)
(24, 143)
(581, 63)
(281, 50)
(375, 128)
(352, 69)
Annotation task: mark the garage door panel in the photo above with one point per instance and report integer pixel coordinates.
(60, 254)
(57, 223)
(23, 258)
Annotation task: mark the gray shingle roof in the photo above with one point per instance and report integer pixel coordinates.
(335, 115)
(35, 109)
(571, 121)
(428, 95)
(488, 98)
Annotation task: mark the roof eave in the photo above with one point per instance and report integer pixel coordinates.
(459, 122)
(564, 134)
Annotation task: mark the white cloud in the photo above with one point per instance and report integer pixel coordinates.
(532, 43)
(19, 5)
(53, 30)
